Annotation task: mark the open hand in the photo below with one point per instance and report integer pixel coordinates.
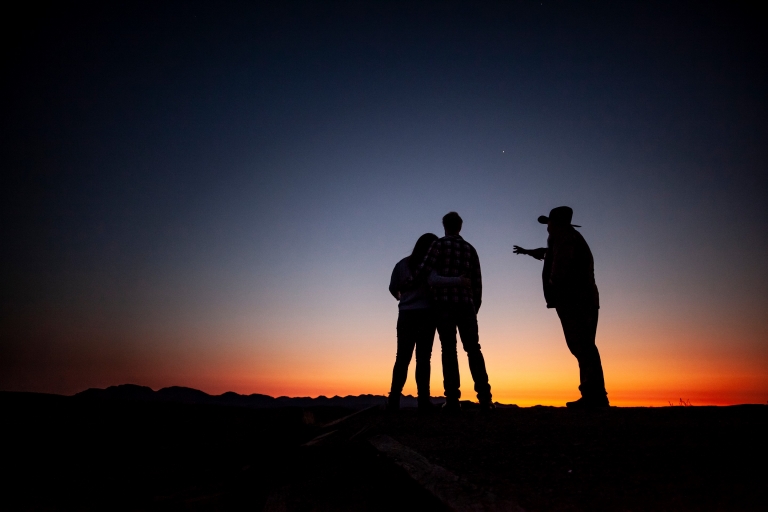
(535, 253)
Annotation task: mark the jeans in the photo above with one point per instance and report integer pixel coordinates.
(415, 328)
(461, 316)
(580, 328)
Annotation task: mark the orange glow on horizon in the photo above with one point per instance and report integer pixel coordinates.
(531, 366)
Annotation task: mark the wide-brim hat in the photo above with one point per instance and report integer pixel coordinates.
(559, 215)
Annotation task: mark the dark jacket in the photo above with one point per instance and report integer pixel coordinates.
(569, 273)
(417, 296)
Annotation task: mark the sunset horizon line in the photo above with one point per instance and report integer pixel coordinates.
(526, 400)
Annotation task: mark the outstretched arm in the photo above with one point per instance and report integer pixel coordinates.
(535, 253)
(448, 282)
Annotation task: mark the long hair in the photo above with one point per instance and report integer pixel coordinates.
(420, 250)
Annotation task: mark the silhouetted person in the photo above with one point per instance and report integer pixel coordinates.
(457, 307)
(416, 321)
(569, 287)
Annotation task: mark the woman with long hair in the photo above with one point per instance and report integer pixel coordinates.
(416, 321)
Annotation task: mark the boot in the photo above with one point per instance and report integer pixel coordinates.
(393, 402)
(451, 406)
(487, 406)
(588, 403)
(425, 406)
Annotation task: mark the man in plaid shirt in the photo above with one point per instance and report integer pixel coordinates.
(452, 256)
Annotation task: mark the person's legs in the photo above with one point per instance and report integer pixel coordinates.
(467, 323)
(424, 340)
(406, 340)
(446, 328)
(580, 328)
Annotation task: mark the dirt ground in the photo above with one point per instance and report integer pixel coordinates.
(547, 458)
(60, 453)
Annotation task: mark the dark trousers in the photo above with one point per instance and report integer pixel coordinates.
(461, 316)
(415, 328)
(580, 328)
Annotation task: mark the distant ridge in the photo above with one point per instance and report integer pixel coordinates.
(180, 394)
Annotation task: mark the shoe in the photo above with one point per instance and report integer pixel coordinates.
(393, 403)
(487, 406)
(588, 403)
(426, 406)
(451, 407)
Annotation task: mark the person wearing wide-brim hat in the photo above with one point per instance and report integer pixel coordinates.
(569, 287)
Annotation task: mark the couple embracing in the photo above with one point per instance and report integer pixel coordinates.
(439, 287)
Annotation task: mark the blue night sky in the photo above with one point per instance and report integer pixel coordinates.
(214, 194)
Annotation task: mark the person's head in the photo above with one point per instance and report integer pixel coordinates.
(559, 220)
(420, 250)
(452, 223)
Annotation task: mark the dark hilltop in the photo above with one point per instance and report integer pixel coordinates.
(132, 448)
(184, 395)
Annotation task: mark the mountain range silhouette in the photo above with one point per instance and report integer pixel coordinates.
(180, 394)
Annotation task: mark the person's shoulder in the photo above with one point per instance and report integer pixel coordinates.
(468, 246)
(578, 237)
(453, 239)
(582, 244)
(402, 263)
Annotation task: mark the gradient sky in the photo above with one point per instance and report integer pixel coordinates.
(214, 194)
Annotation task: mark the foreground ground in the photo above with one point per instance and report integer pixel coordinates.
(61, 453)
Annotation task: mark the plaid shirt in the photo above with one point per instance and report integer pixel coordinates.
(451, 256)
